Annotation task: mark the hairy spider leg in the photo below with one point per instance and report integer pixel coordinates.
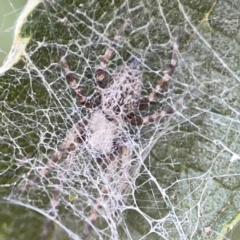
(74, 137)
(58, 188)
(143, 103)
(89, 102)
(109, 175)
(137, 120)
(102, 77)
(167, 74)
(163, 81)
(68, 143)
(101, 70)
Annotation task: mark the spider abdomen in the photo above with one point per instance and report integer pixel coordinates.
(100, 134)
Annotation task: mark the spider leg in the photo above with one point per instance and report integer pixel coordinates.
(74, 137)
(58, 189)
(55, 158)
(163, 81)
(101, 70)
(110, 175)
(89, 102)
(138, 120)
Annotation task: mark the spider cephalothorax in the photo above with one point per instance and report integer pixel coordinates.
(115, 105)
(121, 97)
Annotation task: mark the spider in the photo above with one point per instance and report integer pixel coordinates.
(116, 104)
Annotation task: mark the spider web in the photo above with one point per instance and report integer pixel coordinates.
(183, 174)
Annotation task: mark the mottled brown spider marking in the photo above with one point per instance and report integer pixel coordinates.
(122, 96)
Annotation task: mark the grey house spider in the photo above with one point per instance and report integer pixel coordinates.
(116, 103)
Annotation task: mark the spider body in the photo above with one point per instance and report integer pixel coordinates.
(119, 98)
(103, 133)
